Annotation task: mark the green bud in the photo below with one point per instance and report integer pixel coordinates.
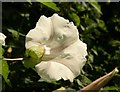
(33, 56)
(100, 82)
(35, 51)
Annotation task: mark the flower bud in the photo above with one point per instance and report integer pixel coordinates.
(33, 56)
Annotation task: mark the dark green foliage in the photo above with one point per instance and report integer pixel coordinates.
(98, 25)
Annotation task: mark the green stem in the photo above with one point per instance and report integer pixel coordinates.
(12, 59)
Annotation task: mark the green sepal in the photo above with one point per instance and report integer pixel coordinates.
(33, 56)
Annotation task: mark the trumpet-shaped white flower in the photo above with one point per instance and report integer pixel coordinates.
(2, 38)
(64, 54)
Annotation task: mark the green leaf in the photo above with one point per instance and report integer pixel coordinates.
(79, 83)
(101, 24)
(30, 1)
(95, 4)
(33, 56)
(30, 62)
(44, 0)
(114, 43)
(110, 88)
(82, 27)
(15, 33)
(90, 58)
(4, 71)
(50, 5)
(94, 51)
(1, 51)
(86, 80)
(75, 18)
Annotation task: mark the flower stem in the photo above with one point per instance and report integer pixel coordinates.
(12, 59)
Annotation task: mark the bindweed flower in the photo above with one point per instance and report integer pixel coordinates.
(65, 54)
(2, 39)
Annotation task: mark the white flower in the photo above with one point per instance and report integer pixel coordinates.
(2, 39)
(64, 52)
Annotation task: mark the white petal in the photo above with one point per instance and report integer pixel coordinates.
(53, 71)
(74, 57)
(64, 34)
(47, 50)
(2, 38)
(41, 33)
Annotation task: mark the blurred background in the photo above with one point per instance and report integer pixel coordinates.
(99, 27)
